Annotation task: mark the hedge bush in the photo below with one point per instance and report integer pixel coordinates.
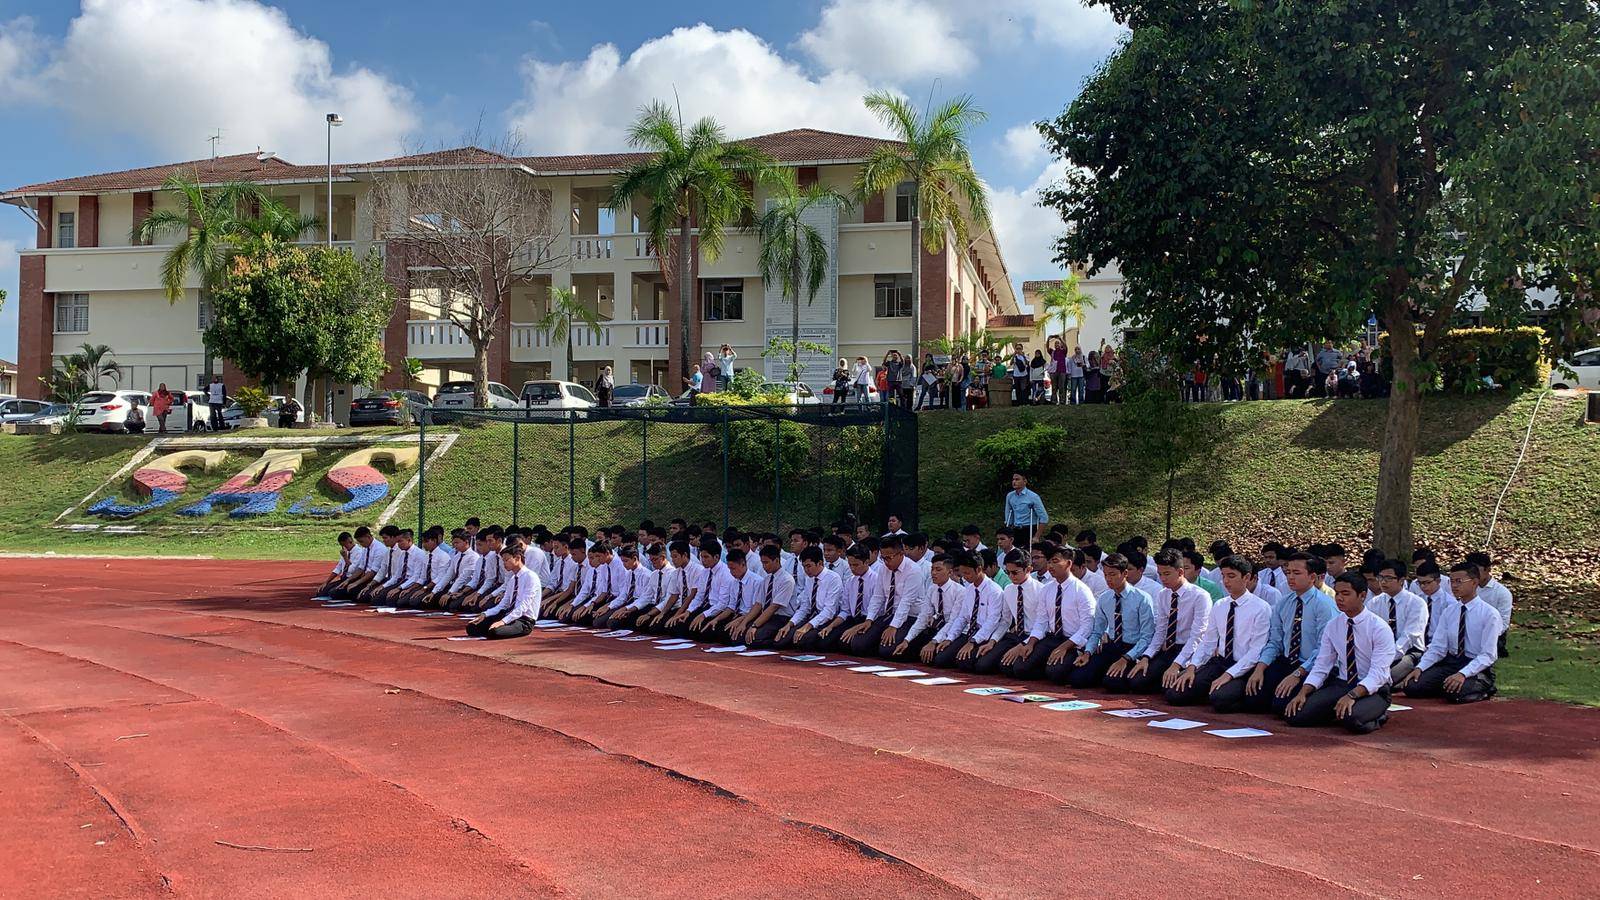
(755, 447)
(1513, 357)
(1027, 448)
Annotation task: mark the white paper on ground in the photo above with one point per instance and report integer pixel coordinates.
(437, 614)
(1070, 705)
(936, 680)
(1134, 713)
(759, 653)
(323, 599)
(1395, 707)
(674, 646)
(461, 638)
(466, 615)
(1177, 724)
(408, 612)
(385, 609)
(620, 632)
(669, 640)
(839, 662)
(901, 673)
(591, 630)
(1031, 698)
(990, 691)
(870, 669)
(637, 637)
(734, 649)
(337, 605)
(805, 657)
(547, 623)
(1239, 732)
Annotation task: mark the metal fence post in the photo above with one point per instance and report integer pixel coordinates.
(422, 470)
(725, 468)
(644, 462)
(572, 469)
(516, 471)
(777, 472)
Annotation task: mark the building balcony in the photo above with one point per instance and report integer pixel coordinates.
(612, 252)
(439, 339)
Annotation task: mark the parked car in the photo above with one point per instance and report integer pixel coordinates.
(556, 395)
(15, 410)
(850, 397)
(108, 410)
(638, 395)
(460, 395)
(233, 414)
(53, 414)
(797, 393)
(388, 408)
(1585, 365)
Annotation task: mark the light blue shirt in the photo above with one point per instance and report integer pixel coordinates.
(1024, 508)
(1318, 612)
(1138, 620)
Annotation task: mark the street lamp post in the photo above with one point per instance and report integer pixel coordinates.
(334, 120)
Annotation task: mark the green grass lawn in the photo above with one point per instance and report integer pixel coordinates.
(1553, 658)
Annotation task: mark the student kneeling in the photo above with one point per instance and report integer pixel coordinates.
(1459, 663)
(518, 608)
(1361, 647)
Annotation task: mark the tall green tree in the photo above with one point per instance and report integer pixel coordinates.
(948, 199)
(214, 222)
(1064, 303)
(566, 313)
(1271, 173)
(793, 251)
(695, 181)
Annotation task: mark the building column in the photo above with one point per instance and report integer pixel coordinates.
(89, 220)
(46, 211)
(396, 270)
(143, 202)
(35, 329)
(935, 293)
(872, 210)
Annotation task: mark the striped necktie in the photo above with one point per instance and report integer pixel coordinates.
(1116, 618)
(1055, 611)
(1350, 649)
(1172, 622)
(1461, 630)
(1227, 636)
(1294, 633)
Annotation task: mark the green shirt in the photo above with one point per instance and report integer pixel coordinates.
(1211, 587)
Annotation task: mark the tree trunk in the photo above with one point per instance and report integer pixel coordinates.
(916, 276)
(795, 280)
(480, 373)
(1172, 478)
(309, 397)
(686, 301)
(1391, 515)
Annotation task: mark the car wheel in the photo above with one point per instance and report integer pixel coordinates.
(1559, 387)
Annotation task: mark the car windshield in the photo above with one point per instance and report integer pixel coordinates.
(456, 387)
(541, 390)
(98, 398)
(631, 391)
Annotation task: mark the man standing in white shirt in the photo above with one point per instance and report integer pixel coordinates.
(1357, 644)
(1459, 662)
(1404, 613)
(1231, 647)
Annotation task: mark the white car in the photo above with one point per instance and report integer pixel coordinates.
(233, 413)
(108, 410)
(556, 395)
(850, 396)
(798, 393)
(460, 395)
(15, 410)
(1585, 365)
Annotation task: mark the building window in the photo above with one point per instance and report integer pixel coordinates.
(891, 297)
(204, 316)
(72, 313)
(724, 299)
(66, 230)
(902, 201)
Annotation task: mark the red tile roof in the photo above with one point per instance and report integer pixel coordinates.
(794, 146)
(239, 167)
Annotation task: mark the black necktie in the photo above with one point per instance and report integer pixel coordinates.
(938, 607)
(1055, 611)
(1461, 631)
(427, 573)
(972, 624)
(633, 580)
(511, 598)
(1019, 624)
(1172, 622)
(1116, 619)
(861, 590)
(1294, 635)
(738, 596)
(658, 597)
(1350, 649)
(1394, 601)
(1227, 635)
(890, 604)
(769, 591)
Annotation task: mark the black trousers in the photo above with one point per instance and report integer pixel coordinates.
(1033, 665)
(866, 643)
(216, 415)
(1150, 681)
(1366, 716)
(946, 658)
(1403, 666)
(1431, 682)
(988, 663)
(1200, 690)
(1093, 672)
(500, 628)
(1267, 699)
(913, 652)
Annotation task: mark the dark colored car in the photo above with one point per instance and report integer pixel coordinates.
(387, 408)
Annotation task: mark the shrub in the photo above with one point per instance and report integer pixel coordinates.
(757, 448)
(1026, 449)
(1513, 357)
(253, 401)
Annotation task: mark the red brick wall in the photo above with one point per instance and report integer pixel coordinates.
(46, 213)
(35, 328)
(142, 202)
(935, 294)
(394, 335)
(872, 210)
(89, 220)
(806, 176)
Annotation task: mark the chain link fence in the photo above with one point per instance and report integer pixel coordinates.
(754, 467)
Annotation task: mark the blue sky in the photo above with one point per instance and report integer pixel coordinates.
(109, 84)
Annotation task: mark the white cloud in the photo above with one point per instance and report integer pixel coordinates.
(1068, 24)
(1023, 146)
(20, 48)
(587, 106)
(1027, 230)
(170, 72)
(894, 39)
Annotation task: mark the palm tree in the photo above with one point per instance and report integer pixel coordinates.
(933, 156)
(694, 178)
(1064, 302)
(793, 252)
(565, 312)
(95, 362)
(208, 219)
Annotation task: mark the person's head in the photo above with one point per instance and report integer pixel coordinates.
(811, 561)
(1061, 561)
(971, 537)
(676, 527)
(389, 534)
(346, 540)
(216, 379)
(1237, 575)
(599, 555)
(1350, 593)
(862, 532)
(832, 548)
(656, 552)
(1191, 562)
(460, 540)
(1116, 568)
(895, 524)
(679, 551)
(1039, 556)
(738, 562)
(1220, 550)
(575, 548)
(630, 557)
(861, 360)
(1085, 538)
(1017, 567)
(405, 538)
(1004, 540)
(1297, 572)
(1465, 579)
(1334, 556)
(859, 559)
(1429, 577)
(917, 545)
(512, 556)
(162, 387)
(771, 559)
(1091, 557)
(892, 550)
(990, 560)
(970, 567)
(1136, 559)
(1269, 553)
(1019, 481)
(1481, 559)
(798, 540)
(941, 568)
(1169, 569)
(710, 552)
(1391, 576)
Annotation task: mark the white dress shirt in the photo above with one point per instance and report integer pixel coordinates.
(394, 567)
(706, 582)
(440, 567)
(777, 592)
(1406, 616)
(466, 571)
(1498, 596)
(1194, 606)
(823, 596)
(1373, 644)
(377, 561)
(840, 567)
(563, 569)
(990, 619)
(1252, 622)
(945, 611)
(1268, 593)
(415, 569)
(909, 588)
(343, 565)
(1096, 580)
(628, 587)
(521, 598)
(1483, 635)
(857, 593)
(664, 585)
(1071, 604)
(1025, 612)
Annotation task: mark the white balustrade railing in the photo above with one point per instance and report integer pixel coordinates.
(591, 248)
(651, 334)
(437, 339)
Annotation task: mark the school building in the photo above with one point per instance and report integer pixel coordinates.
(86, 280)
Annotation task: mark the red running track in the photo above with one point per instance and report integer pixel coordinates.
(150, 721)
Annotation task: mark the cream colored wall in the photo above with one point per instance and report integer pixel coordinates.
(843, 180)
(139, 323)
(741, 258)
(106, 269)
(874, 249)
(116, 219)
(860, 331)
(747, 336)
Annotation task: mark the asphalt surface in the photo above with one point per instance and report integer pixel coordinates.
(162, 736)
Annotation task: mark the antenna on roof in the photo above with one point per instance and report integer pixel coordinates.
(214, 139)
(264, 155)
